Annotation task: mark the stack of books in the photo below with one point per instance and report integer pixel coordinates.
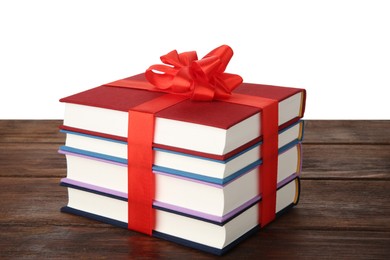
(206, 162)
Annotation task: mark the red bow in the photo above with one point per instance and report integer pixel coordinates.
(203, 80)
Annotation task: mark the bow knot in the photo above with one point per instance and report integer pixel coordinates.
(203, 80)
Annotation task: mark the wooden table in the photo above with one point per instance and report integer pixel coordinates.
(344, 210)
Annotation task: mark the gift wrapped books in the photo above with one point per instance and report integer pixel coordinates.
(205, 173)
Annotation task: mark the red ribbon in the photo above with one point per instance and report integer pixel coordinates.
(269, 151)
(201, 80)
(141, 181)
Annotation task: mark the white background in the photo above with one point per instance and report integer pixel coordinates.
(339, 51)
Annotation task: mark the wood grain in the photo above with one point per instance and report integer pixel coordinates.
(36, 160)
(346, 161)
(343, 212)
(84, 242)
(347, 132)
(31, 131)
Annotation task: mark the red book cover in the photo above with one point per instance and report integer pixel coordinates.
(217, 114)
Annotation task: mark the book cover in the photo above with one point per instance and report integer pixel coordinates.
(188, 125)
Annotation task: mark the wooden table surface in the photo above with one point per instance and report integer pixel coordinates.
(344, 209)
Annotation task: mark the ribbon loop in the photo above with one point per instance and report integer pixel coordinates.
(201, 80)
(186, 58)
(225, 53)
(206, 67)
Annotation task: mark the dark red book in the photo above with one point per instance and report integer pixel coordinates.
(214, 129)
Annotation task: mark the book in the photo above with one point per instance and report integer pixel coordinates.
(218, 201)
(177, 227)
(206, 158)
(188, 126)
(192, 166)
